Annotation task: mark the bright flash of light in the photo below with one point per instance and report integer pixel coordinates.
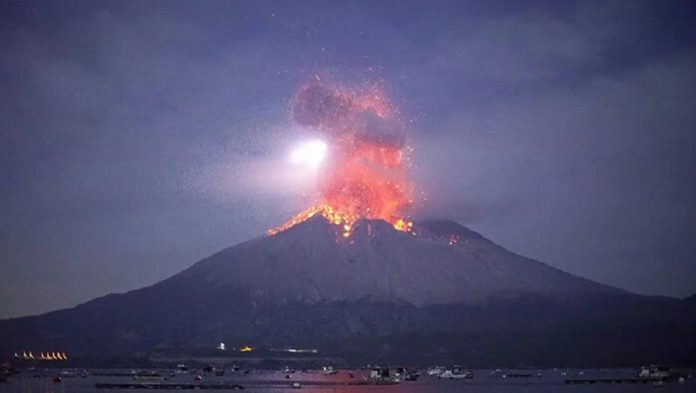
(310, 153)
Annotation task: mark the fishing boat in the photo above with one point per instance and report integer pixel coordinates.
(456, 372)
(655, 372)
(328, 370)
(382, 376)
(435, 371)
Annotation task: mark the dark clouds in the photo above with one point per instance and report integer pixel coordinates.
(135, 137)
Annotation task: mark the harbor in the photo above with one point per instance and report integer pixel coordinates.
(447, 379)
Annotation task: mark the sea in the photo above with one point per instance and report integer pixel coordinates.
(345, 381)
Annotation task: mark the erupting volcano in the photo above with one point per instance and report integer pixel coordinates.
(365, 176)
(347, 277)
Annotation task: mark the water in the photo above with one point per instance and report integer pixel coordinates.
(41, 381)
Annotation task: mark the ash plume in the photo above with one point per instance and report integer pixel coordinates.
(365, 175)
(338, 113)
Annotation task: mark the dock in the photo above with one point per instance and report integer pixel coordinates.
(164, 386)
(230, 385)
(590, 381)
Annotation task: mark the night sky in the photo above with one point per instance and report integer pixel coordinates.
(139, 137)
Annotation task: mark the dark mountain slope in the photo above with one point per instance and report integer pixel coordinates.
(447, 294)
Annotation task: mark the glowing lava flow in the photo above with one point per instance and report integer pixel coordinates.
(365, 175)
(345, 221)
(323, 210)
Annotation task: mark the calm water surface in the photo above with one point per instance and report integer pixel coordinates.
(41, 381)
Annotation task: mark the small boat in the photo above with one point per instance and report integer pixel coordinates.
(67, 374)
(411, 377)
(295, 385)
(435, 371)
(407, 374)
(381, 376)
(655, 372)
(328, 370)
(457, 372)
(212, 370)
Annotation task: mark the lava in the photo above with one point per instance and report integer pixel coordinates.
(365, 176)
(332, 215)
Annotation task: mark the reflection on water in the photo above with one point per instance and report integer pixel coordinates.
(484, 381)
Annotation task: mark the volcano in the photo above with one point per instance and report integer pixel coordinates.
(439, 293)
(444, 263)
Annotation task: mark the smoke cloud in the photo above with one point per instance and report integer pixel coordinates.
(345, 116)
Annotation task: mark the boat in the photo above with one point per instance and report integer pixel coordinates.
(407, 374)
(295, 385)
(655, 372)
(68, 374)
(411, 377)
(435, 371)
(457, 372)
(212, 370)
(381, 376)
(328, 370)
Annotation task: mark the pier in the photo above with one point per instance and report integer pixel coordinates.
(229, 385)
(165, 386)
(590, 381)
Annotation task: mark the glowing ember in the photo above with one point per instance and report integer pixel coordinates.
(365, 175)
